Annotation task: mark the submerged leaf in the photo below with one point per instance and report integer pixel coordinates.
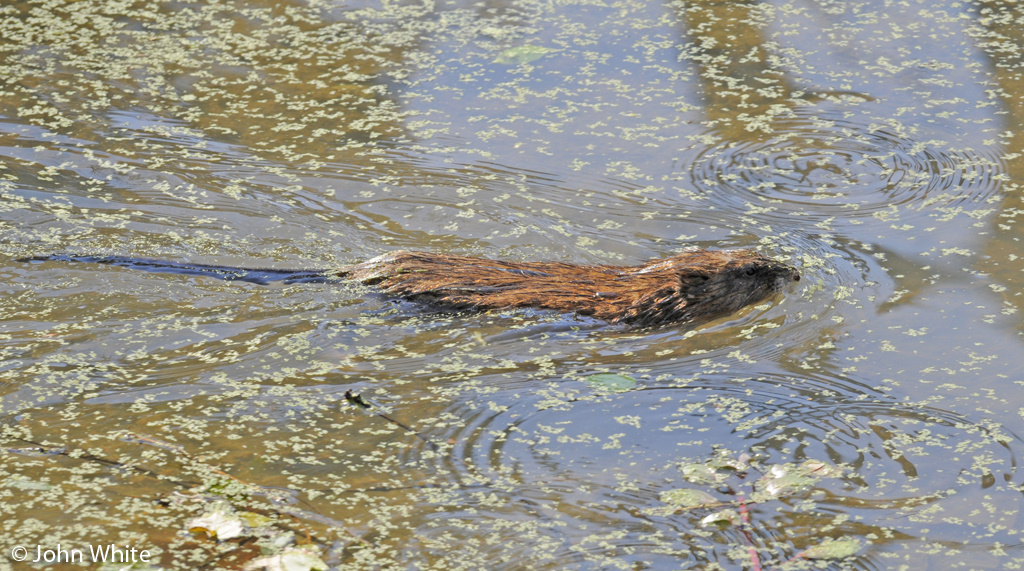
(716, 470)
(701, 474)
(20, 484)
(729, 463)
(523, 54)
(291, 559)
(820, 469)
(253, 519)
(833, 549)
(722, 519)
(612, 382)
(784, 479)
(220, 523)
(686, 498)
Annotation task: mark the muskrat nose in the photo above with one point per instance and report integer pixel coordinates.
(796, 277)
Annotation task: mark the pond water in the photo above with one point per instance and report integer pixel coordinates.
(875, 408)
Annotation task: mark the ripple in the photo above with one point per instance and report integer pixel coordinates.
(571, 481)
(831, 164)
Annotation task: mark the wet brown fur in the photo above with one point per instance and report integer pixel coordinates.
(693, 286)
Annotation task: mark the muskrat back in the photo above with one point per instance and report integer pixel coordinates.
(696, 285)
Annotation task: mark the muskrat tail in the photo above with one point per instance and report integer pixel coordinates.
(228, 273)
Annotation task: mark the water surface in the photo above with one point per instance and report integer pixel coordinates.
(870, 143)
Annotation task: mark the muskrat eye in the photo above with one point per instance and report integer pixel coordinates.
(751, 271)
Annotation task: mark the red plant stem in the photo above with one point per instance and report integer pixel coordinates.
(755, 561)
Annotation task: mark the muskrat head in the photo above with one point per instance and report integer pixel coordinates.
(710, 283)
(744, 278)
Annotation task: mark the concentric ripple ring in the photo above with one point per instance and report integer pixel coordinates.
(824, 167)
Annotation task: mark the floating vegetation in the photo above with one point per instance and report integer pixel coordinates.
(523, 54)
(858, 422)
(779, 481)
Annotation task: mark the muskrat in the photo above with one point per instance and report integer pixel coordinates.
(694, 286)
